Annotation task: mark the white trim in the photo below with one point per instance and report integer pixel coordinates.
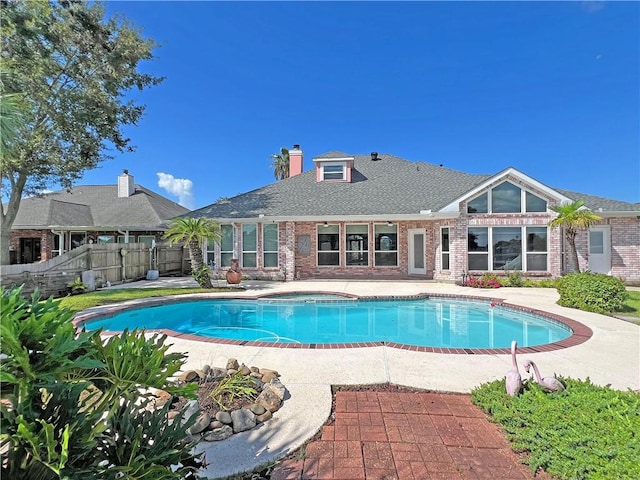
(334, 159)
(454, 206)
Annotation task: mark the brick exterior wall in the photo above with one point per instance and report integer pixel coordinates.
(296, 264)
(625, 248)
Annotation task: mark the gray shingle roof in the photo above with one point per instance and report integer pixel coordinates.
(606, 204)
(97, 206)
(389, 186)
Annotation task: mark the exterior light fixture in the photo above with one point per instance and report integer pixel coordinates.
(389, 224)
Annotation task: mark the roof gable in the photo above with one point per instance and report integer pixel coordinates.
(507, 173)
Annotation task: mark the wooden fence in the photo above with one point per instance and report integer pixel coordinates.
(95, 264)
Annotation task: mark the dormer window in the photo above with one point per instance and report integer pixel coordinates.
(334, 171)
(334, 168)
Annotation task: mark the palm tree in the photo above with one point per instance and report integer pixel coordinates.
(573, 217)
(194, 231)
(12, 114)
(280, 164)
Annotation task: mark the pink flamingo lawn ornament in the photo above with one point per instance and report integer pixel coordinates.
(513, 380)
(550, 384)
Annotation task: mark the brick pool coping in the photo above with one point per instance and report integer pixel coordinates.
(580, 333)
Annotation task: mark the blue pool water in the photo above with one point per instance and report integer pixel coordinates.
(305, 319)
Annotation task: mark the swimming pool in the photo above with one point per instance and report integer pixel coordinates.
(321, 319)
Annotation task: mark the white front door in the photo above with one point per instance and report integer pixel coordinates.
(417, 249)
(599, 250)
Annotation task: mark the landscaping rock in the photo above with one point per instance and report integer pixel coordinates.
(215, 424)
(188, 376)
(224, 417)
(215, 428)
(257, 409)
(243, 419)
(161, 397)
(277, 387)
(202, 423)
(264, 417)
(269, 399)
(218, 434)
(216, 372)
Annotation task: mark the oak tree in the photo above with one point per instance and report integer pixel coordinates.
(75, 70)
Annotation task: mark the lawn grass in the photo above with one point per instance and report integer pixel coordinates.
(584, 432)
(631, 307)
(77, 303)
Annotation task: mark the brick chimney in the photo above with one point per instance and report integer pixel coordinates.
(295, 161)
(126, 186)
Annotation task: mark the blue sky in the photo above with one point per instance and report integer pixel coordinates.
(549, 88)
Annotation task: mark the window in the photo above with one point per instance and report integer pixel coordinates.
(226, 245)
(148, 240)
(507, 246)
(270, 245)
(357, 245)
(444, 247)
(123, 239)
(58, 245)
(333, 171)
(536, 248)
(211, 254)
(328, 245)
(106, 239)
(478, 204)
(78, 239)
(478, 247)
(507, 198)
(535, 203)
(249, 245)
(386, 245)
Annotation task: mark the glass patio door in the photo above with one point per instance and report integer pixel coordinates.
(417, 251)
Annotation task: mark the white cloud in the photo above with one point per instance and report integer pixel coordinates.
(592, 6)
(180, 187)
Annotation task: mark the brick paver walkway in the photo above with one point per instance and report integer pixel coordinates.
(406, 436)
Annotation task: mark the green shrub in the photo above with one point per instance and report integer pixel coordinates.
(592, 292)
(77, 286)
(72, 402)
(514, 279)
(583, 432)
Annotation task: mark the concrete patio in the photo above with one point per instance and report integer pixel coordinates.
(610, 357)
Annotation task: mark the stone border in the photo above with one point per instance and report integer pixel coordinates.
(580, 333)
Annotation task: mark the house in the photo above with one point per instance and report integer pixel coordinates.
(381, 216)
(54, 223)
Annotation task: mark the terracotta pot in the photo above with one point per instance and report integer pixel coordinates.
(234, 275)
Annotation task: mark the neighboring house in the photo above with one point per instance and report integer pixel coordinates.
(380, 216)
(54, 223)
